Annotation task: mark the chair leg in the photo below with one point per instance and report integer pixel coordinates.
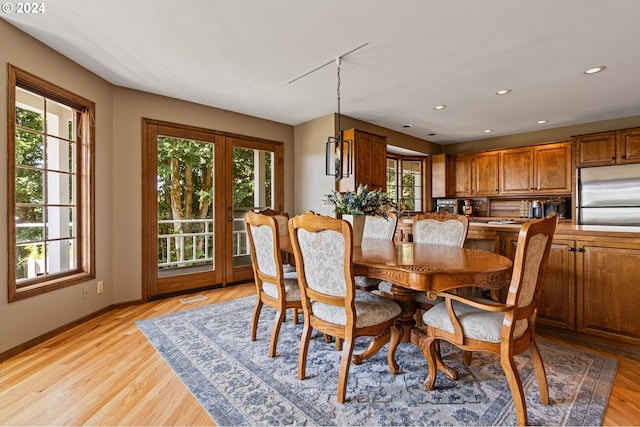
(538, 367)
(256, 316)
(275, 331)
(396, 335)
(467, 357)
(430, 346)
(295, 316)
(345, 362)
(304, 349)
(515, 385)
(338, 344)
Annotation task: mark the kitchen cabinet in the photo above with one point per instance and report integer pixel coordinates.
(476, 174)
(443, 182)
(543, 169)
(608, 148)
(368, 159)
(485, 174)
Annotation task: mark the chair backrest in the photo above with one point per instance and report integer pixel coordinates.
(530, 263)
(263, 234)
(281, 217)
(440, 228)
(323, 252)
(377, 227)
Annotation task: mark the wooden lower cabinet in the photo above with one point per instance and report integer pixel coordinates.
(558, 303)
(608, 295)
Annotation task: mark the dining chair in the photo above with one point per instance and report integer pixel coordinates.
(376, 227)
(283, 228)
(437, 228)
(274, 287)
(505, 329)
(331, 303)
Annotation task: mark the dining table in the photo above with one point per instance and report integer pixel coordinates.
(420, 267)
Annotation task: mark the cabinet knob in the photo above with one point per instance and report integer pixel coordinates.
(624, 157)
(580, 249)
(571, 249)
(613, 158)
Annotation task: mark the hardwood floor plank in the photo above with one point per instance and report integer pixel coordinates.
(105, 372)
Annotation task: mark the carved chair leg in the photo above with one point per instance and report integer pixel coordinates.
(295, 316)
(256, 317)
(429, 347)
(345, 362)
(396, 335)
(541, 376)
(467, 357)
(275, 332)
(304, 349)
(515, 385)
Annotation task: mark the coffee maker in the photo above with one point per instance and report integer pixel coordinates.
(560, 205)
(536, 209)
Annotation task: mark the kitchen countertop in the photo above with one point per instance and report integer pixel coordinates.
(564, 227)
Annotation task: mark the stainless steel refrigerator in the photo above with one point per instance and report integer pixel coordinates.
(609, 195)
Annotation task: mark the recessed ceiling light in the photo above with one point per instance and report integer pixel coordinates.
(595, 70)
(541, 122)
(503, 91)
(439, 107)
(487, 130)
(406, 126)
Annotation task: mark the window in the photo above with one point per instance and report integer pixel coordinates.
(50, 174)
(405, 182)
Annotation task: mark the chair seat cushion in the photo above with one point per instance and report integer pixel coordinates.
(290, 285)
(366, 283)
(476, 323)
(371, 310)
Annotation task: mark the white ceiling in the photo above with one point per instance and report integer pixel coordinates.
(240, 55)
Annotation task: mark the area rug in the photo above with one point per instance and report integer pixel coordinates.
(238, 384)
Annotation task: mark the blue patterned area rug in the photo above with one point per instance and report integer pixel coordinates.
(238, 384)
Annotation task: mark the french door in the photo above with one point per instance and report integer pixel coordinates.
(197, 186)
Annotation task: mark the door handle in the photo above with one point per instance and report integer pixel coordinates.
(230, 219)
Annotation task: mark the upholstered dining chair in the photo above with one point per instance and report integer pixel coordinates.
(323, 252)
(505, 329)
(274, 287)
(437, 228)
(376, 227)
(283, 228)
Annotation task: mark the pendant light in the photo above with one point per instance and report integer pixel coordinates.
(337, 150)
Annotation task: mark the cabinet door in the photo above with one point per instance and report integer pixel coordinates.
(553, 169)
(558, 301)
(607, 282)
(629, 146)
(484, 172)
(599, 149)
(442, 175)
(462, 167)
(516, 171)
(378, 165)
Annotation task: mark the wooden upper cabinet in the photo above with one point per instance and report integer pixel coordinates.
(462, 173)
(597, 149)
(368, 161)
(485, 173)
(517, 171)
(608, 148)
(628, 146)
(544, 169)
(443, 183)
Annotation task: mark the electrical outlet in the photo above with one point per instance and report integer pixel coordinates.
(85, 292)
(100, 287)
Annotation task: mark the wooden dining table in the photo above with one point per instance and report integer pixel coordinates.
(420, 267)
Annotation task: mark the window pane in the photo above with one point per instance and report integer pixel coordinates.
(60, 256)
(59, 222)
(29, 224)
(59, 120)
(59, 187)
(29, 110)
(30, 262)
(29, 149)
(29, 184)
(60, 155)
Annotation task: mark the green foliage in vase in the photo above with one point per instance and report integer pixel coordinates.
(361, 202)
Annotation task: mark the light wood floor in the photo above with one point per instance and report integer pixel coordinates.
(105, 372)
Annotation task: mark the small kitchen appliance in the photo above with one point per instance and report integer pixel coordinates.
(536, 209)
(467, 208)
(449, 205)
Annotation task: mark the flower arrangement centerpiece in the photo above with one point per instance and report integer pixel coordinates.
(356, 205)
(361, 202)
